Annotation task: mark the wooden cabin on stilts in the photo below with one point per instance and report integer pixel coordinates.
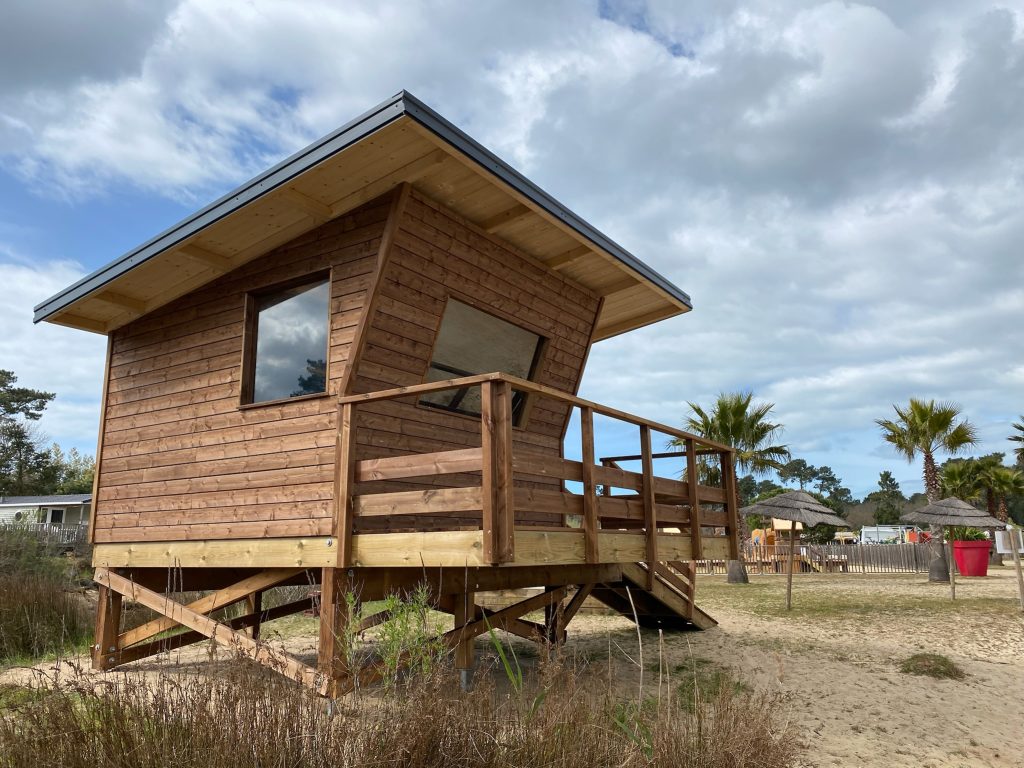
(356, 371)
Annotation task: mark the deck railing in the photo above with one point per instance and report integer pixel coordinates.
(666, 505)
(51, 533)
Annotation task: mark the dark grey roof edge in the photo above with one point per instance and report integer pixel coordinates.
(60, 498)
(402, 103)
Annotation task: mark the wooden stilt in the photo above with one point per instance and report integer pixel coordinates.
(108, 626)
(464, 608)
(333, 653)
(552, 620)
(254, 605)
(789, 575)
(952, 570)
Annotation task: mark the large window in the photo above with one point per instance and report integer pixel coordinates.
(471, 342)
(286, 345)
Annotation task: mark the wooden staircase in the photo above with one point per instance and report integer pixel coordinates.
(662, 602)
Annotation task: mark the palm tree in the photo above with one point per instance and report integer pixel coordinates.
(925, 427)
(1003, 482)
(736, 421)
(960, 480)
(1019, 438)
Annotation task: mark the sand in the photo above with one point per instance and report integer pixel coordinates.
(834, 661)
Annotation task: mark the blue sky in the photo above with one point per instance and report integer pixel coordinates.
(837, 185)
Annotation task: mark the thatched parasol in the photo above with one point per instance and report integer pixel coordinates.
(952, 512)
(797, 507)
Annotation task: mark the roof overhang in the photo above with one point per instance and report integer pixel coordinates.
(400, 140)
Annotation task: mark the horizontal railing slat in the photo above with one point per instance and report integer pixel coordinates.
(430, 502)
(420, 465)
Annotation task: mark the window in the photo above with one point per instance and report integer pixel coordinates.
(471, 342)
(56, 517)
(286, 344)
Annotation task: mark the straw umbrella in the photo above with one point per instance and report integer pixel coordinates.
(951, 512)
(797, 507)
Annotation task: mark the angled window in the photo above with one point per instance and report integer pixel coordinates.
(286, 341)
(470, 342)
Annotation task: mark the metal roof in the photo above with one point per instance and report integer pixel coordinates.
(401, 104)
(67, 498)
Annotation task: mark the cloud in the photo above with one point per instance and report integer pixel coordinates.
(837, 185)
(49, 357)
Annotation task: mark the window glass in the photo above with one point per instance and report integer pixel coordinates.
(291, 342)
(471, 342)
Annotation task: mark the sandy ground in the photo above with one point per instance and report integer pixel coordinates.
(834, 660)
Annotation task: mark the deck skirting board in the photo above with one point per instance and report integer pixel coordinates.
(431, 549)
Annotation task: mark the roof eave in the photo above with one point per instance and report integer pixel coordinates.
(399, 105)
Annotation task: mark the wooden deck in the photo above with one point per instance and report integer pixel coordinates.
(463, 520)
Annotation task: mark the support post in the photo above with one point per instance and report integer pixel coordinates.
(650, 511)
(952, 568)
(464, 611)
(731, 508)
(590, 522)
(344, 483)
(693, 481)
(496, 442)
(254, 605)
(789, 573)
(108, 626)
(333, 652)
(552, 620)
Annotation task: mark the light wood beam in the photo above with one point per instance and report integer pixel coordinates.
(508, 216)
(409, 172)
(206, 257)
(121, 300)
(311, 207)
(570, 257)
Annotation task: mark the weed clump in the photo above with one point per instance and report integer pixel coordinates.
(932, 665)
(39, 614)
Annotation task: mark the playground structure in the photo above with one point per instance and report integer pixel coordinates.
(357, 371)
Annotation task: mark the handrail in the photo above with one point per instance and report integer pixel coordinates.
(540, 389)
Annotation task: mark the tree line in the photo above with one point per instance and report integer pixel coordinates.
(28, 466)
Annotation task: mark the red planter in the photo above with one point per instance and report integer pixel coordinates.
(971, 557)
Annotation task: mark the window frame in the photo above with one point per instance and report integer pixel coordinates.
(521, 421)
(250, 333)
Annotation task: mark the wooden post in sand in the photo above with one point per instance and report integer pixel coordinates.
(1013, 536)
(789, 575)
(952, 569)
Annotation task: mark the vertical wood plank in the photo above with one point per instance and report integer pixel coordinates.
(647, 495)
(99, 444)
(332, 653)
(344, 482)
(391, 226)
(489, 523)
(693, 481)
(504, 486)
(108, 627)
(464, 611)
(732, 511)
(496, 441)
(590, 521)
(254, 604)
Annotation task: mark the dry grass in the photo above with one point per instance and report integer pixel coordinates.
(40, 615)
(932, 665)
(245, 717)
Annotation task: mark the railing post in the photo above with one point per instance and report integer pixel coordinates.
(693, 482)
(591, 544)
(344, 482)
(496, 442)
(732, 511)
(650, 511)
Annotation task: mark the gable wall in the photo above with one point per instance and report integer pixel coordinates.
(180, 459)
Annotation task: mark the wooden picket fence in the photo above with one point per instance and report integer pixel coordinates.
(829, 558)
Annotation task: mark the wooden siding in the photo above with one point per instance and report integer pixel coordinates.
(180, 459)
(435, 255)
